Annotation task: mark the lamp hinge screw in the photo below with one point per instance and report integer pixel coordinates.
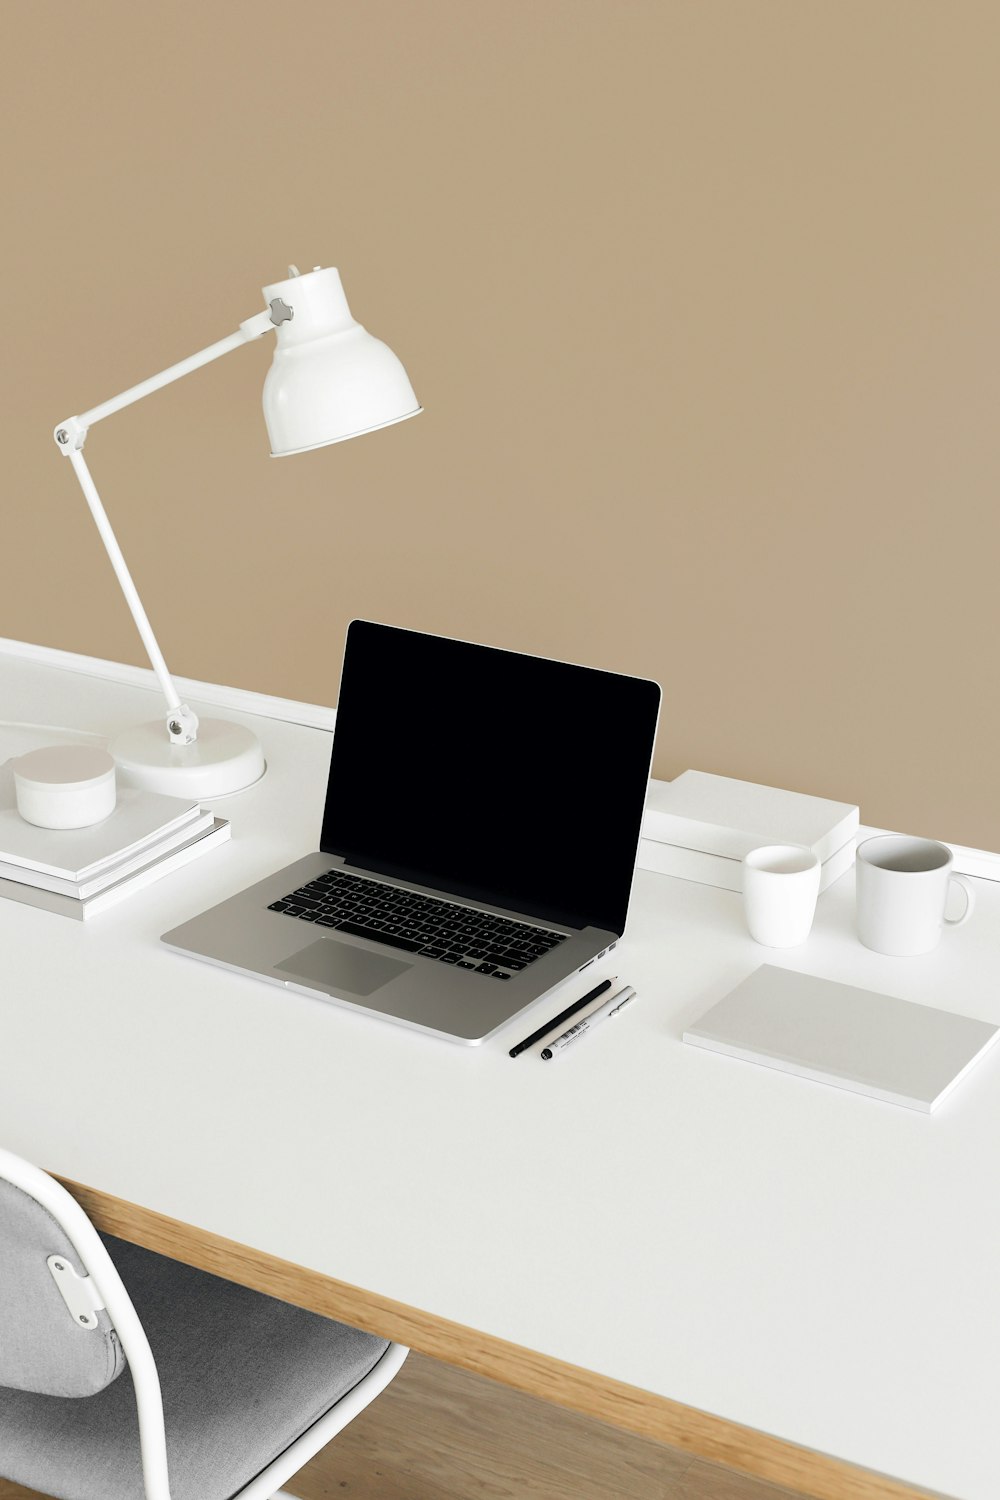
(62, 436)
(174, 727)
(281, 312)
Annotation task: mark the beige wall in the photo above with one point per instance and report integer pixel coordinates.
(701, 300)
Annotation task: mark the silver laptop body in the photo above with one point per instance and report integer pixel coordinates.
(372, 921)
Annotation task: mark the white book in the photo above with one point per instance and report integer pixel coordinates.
(720, 815)
(118, 869)
(855, 1039)
(78, 854)
(72, 906)
(722, 870)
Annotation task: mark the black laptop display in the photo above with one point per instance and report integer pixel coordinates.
(508, 779)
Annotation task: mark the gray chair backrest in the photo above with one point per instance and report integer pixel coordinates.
(42, 1348)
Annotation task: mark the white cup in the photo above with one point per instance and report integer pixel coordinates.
(902, 891)
(780, 886)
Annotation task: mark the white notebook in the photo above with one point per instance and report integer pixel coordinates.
(154, 869)
(139, 819)
(854, 1039)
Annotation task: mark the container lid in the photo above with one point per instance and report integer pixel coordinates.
(63, 767)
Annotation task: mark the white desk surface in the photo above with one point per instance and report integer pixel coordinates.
(789, 1256)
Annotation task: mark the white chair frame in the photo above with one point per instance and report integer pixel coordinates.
(98, 1264)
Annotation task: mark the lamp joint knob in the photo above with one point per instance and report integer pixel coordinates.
(70, 435)
(182, 725)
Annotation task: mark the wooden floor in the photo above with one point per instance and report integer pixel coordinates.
(438, 1433)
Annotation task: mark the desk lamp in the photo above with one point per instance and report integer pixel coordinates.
(329, 380)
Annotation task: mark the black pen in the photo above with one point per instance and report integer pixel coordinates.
(563, 1015)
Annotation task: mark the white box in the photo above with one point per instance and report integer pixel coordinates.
(700, 826)
(717, 869)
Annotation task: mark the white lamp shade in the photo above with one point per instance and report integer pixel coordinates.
(329, 378)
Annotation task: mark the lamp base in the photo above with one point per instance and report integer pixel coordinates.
(224, 758)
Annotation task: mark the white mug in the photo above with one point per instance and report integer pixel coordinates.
(902, 891)
(780, 886)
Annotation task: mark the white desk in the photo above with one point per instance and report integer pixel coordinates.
(791, 1258)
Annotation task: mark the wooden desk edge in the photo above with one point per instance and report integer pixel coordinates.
(624, 1406)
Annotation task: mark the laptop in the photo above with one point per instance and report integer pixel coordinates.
(478, 844)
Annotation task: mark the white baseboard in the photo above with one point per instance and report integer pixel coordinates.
(242, 700)
(976, 862)
(967, 861)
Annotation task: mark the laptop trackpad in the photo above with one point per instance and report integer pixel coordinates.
(339, 966)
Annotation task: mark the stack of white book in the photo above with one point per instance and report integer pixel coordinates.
(700, 826)
(78, 872)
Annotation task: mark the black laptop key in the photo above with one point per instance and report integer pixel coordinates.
(393, 939)
(415, 923)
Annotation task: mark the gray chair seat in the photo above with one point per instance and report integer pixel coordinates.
(242, 1377)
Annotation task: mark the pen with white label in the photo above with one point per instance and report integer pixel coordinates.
(602, 1013)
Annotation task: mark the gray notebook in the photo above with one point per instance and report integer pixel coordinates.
(855, 1039)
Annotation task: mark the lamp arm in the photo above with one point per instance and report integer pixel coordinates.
(253, 328)
(182, 721)
(70, 436)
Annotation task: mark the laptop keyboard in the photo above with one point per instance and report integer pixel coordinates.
(460, 935)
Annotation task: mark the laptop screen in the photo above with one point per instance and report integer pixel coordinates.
(508, 779)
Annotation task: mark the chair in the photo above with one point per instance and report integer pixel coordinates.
(182, 1387)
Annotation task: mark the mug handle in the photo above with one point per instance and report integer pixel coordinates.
(970, 901)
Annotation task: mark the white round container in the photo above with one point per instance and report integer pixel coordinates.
(64, 786)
